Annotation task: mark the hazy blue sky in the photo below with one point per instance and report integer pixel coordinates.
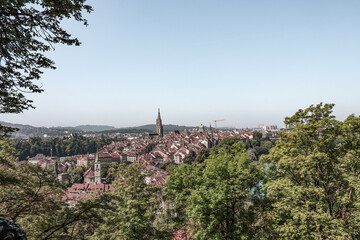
(249, 62)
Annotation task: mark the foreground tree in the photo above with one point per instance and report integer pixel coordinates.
(28, 28)
(132, 208)
(216, 199)
(7, 162)
(33, 198)
(314, 173)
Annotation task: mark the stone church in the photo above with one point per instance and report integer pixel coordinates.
(94, 175)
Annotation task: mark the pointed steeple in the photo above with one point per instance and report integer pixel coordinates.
(97, 154)
(159, 127)
(97, 167)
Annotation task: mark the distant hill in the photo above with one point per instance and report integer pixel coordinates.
(125, 130)
(30, 131)
(14, 125)
(167, 127)
(150, 128)
(94, 128)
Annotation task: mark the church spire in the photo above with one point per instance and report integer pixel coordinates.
(159, 127)
(97, 167)
(97, 154)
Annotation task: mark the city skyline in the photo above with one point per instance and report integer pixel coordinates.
(250, 63)
(210, 124)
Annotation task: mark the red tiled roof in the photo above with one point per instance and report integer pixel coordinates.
(81, 191)
(89, 173)
(180, 234)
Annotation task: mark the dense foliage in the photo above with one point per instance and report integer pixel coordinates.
(133, 207)
(314, 177)
(216, 199)
(28, 28)
(30, 195)
(255, 148)
(60, 146)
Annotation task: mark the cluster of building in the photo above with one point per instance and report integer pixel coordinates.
(41, 160)
(157, 148)
(151, 150)
(93, 184)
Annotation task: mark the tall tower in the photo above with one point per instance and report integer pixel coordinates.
(159, 127)
(97, 168)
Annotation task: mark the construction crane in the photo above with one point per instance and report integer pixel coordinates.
(218, 121)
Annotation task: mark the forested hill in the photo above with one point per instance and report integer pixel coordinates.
(94, 128)
(151, 128)
(31, 131)
(167, 127)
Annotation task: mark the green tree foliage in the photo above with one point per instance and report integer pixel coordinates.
(28, 28)
(58, 221)
(132, 208)
(32, 197)
(258, 146)
(216, 199)
(255, 148)
(228, 142)
(166, 165)
(257, 136)
(60, 146)
(77, 174)
(202, 155)
(7, 162)
(189, 159)
(314, 177)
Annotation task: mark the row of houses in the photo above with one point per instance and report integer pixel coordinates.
(173, 147)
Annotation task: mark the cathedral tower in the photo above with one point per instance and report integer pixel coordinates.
(159, 127)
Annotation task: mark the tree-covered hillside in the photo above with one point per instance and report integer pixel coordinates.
(59, 146)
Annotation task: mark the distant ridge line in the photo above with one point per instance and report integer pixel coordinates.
(28, 130)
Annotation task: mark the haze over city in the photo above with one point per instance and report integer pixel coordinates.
(249, 62)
